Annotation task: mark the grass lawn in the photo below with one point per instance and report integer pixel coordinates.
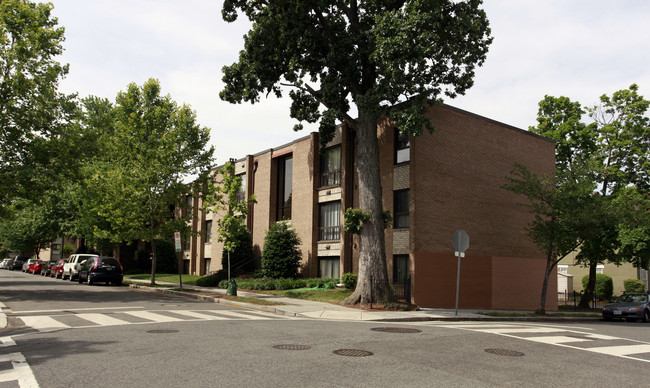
(163, 277)
(327, 296)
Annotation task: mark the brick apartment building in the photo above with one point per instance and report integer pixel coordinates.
(433, 184)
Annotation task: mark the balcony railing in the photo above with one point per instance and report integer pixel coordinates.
(329, 233)
(330, 178)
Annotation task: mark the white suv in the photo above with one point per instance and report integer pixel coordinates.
(71, 266)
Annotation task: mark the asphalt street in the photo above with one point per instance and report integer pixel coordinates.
(71, 335)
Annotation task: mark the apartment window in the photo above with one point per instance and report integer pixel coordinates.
(188, 243)
(241, 194)
(188, 203)
(208, 261)
(401, 209)
(285, 171)
(329, 221)
(400, 268)
(402, 147)
(328, 266)
(330, 167)
(208, 231)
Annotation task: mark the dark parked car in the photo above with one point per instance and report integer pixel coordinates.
(57, 269)
(628, 306)
(101, 269)
(47, 267)
(18, 262)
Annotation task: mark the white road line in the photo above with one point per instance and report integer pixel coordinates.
(520, 330)
(102, 319)
(623, 350)
(194, 314)
(73, 310)
(6, 341)
(239, 315)
(21, 371)
(43, 323)
(559, 339)
(152, 316)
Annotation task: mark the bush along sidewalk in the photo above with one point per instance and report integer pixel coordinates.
(281, 284)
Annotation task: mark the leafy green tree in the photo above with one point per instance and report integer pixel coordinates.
(138, 176)
(281, 257)
(34, 116)
(231, 230)
(241, 256)
(387, 58)
(29, 227)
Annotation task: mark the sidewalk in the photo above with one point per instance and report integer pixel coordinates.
(319, 310)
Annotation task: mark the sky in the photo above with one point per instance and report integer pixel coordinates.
(580, 49)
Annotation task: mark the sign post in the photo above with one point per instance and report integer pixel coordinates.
(460, 242)
(177, 243)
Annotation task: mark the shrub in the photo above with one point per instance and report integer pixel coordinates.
(281, 284)
(604, 287)
(281, 257)
(166, 259)
(633, 286)
(350, 280)
(213, 279)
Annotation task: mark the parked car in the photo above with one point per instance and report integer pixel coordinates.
(47, 268)
(18, 262)
(101, 269)
(57, 269)
(71, 266)
(28, 264)
(36, 268)
(629, 306)
(6, 263)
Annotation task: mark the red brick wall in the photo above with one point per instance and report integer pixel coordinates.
(303, 201)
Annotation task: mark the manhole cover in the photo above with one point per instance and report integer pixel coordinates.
(162, 331)
(504, 352)
(292, 347)
(352, 353)
(396, 330)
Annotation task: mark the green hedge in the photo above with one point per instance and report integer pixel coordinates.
(604, 288)
(633, 286)
(281, 284)
(212, 280)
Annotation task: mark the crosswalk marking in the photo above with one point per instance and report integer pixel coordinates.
(46, 323)
(43, 323)
(7, 341)
(194, 314)
(102, 319)
(625, 350)
(240, 315)
(567, 337)
(152, 316)
(557, 339)
(20, 371)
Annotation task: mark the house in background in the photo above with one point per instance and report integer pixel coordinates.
(567, 269)
(433, 184)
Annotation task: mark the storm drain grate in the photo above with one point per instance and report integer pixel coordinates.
(162, 331)
(396, 330)
(504, 352)
(292, 347)
(352, 353)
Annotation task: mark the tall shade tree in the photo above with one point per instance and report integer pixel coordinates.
(387, 58)
(138, 177)
(33, 114)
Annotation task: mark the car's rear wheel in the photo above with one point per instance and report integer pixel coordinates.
(646, 316)
(72, 279)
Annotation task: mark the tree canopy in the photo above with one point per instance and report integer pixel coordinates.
(34, 115)
(387, 58)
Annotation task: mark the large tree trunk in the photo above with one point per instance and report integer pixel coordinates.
(588, 296)
(372, 247)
